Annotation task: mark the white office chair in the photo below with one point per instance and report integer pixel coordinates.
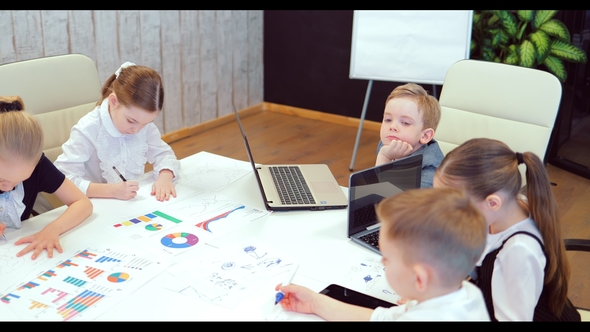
(515, 105)
(58, 91)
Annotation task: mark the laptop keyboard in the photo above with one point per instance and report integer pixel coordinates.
(371, 238)
(291, 185)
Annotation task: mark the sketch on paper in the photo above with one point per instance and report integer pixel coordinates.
(230, 275)
(212, 172)
(367, 275)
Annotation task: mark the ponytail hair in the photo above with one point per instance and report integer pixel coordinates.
(484, 166)
(138, 86)
(21, 135)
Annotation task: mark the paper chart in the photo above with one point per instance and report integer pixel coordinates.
(228, 276)
(82, 286)
(184, 223)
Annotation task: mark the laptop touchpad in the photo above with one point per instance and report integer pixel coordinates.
(324, 187)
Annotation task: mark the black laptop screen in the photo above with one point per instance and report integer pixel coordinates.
(368, 187)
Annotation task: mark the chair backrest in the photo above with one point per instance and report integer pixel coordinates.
(58, 90)
(512, 104)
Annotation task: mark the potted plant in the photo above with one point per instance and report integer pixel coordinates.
(528, 38)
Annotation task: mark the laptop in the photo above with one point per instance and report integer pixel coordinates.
(295, 187)
(368, 187)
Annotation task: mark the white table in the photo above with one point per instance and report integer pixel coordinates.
(315, 239)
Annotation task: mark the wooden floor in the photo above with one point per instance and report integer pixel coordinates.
(278, 138)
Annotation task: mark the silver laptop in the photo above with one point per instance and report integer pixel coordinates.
(368, 187)
(296, 187)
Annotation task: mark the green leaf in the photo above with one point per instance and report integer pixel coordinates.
(521, 31)
(499, 38)
(556, 67)
(542, 17)
(525, 15)
(567, 52)
(512, 55)
(527, 54)
(542, 43)
(476, 18)
(557, 29)
(508, 22)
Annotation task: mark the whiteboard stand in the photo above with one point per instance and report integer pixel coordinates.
(417, 46)
(358, 134)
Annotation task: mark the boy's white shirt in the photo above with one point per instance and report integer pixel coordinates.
(95, 146)
(464, 304)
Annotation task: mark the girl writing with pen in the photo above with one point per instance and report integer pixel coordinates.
(115, 140)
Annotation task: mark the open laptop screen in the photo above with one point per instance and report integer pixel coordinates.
(368, 187)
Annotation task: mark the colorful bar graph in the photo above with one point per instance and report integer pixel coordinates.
(6, 298)
(66, 264)
(78, 304)
(165, 216)
(60, 294)
(85, 254)
(28, 285)
(46, 275)
(37, 305)
(105, 259)
(74, 281)
(92, 272)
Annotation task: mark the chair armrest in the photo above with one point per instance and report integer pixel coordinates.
(577, 244)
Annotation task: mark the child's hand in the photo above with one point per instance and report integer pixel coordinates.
(396, 150)
(2, 228)
(125, 190)
(47, 238)
(163, 188)
(297, 298)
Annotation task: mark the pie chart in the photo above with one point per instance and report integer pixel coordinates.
(180, 240)
(118, 277)
(153, 227)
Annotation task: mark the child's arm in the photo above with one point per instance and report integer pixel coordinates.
(120, 190)
(79, 208)
(393, 151)
(166, 166)
(304, 300)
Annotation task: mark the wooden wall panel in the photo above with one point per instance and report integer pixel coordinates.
(191, 75)
(54, 24)
(171, 70)
(81, 33)
(225, 44)
(240, 59)
(255, 74)
(28, 34)
(209, 60)
(151, 49)
(208, 52)
(7, 49)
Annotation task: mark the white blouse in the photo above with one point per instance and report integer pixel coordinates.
(517, 281)
(95, 146)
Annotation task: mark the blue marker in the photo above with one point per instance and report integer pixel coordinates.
(280, 295)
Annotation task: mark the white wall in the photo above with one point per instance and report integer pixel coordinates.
(207, 58)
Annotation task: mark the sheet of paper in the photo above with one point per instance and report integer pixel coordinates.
(231, 274)
(212, 172)
(366, 274)
(184, 223)
(82, 286)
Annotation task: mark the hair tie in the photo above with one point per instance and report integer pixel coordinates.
(13, 106)
(123, 66)
(519, 158)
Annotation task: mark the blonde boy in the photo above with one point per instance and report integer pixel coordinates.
(430, 239)
(410, 119)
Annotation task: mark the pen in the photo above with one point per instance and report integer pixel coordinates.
(280, 295)
(119, 174)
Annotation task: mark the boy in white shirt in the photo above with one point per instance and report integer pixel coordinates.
(430, 239)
